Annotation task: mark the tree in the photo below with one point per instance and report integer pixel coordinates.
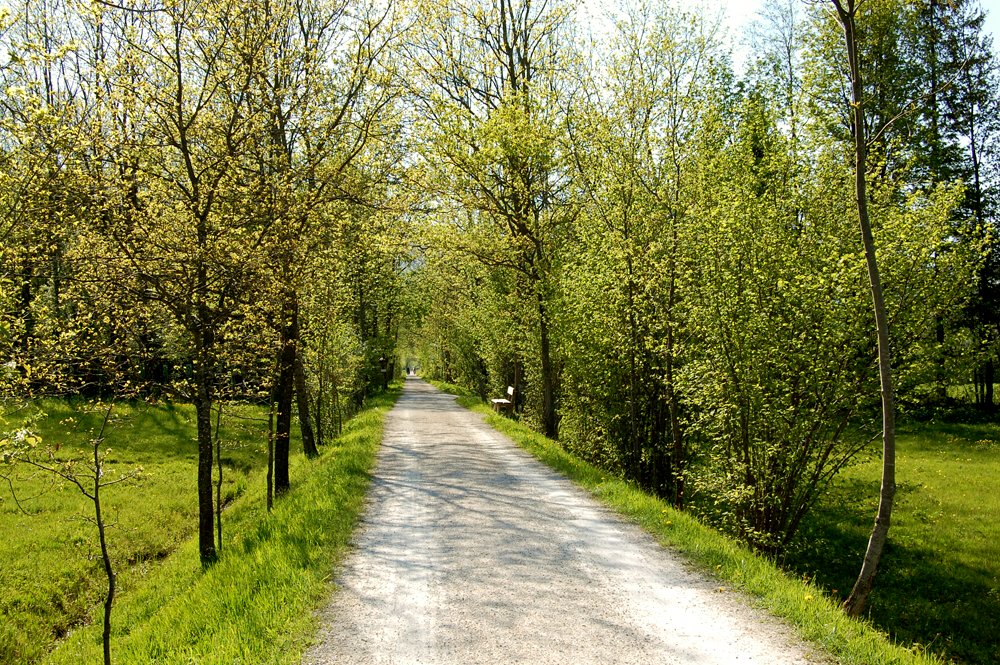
(90, 478)
(486, 80)
(171, 174)
(322, 89)
(631, 149)
(847, 11)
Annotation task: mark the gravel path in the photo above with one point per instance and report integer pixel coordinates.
(473, 552)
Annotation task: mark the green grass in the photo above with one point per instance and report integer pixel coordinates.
(253, 605)
(939, 580)
(51, 576)
(817, 617)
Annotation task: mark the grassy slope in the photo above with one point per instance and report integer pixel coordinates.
(50, 575)
(939, 582)
(255, 604)
(817, 618)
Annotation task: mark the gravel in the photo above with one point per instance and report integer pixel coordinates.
(472, 552)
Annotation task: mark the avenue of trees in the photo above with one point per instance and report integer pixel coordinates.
(211, 200)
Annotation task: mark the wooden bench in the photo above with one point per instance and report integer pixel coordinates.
(504, 404)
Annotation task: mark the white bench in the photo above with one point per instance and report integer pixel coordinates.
(501, 404)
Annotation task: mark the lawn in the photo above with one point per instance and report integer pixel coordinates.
(939, 581)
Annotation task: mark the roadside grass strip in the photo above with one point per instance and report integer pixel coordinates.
(817, 618)
(256, 604)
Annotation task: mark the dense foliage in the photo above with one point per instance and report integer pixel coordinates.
(693, 291)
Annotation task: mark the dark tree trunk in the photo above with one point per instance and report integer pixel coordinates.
(206, 508)
(550, 421)
(989, 376)
(302, 398)
(109, 570)
(218, 482)
(942, 387)
(285, 389)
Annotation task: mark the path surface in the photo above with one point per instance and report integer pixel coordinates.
(473, 552)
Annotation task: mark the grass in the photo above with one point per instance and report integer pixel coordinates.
(816, 616)
(51, 577)
(253, 605)
(939, 580)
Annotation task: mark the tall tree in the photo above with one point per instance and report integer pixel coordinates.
(172, 183)
(847, 11)
(486, 79)
(323, 89)
(631, 149)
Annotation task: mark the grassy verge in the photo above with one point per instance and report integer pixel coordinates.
(254, 605)
(817, 617)
(939, 582)
(50, 576)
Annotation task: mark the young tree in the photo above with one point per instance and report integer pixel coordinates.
(631, 150)
(847, 12)
(91, 478)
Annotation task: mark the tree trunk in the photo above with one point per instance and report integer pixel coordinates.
(550, 422)
(940, 378)
(206, 509)
(855, 602)
(109, 570)
(302, 397)
(285, 389)
(270, 447)
(218, 483)
(989, 377)
(678, 465)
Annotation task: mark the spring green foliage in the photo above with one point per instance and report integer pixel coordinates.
(939, 584)
(255, 604)
(711, 322)
(804, 604)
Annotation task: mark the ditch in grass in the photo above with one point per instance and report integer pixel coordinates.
(255, 604)
(817, 617)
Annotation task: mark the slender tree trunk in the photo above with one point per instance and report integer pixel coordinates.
(989, 376)
(270, 450)
(218, 482)
(679, 456)
(302, 398)
(855, 602)
(206, 448)
(285, 384)
(549, 418)
(109, 571)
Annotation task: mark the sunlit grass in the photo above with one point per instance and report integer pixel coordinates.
(50, 576)
(817, 617)
(939, 581)
(254, 605)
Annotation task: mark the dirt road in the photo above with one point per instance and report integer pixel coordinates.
(472, 552)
